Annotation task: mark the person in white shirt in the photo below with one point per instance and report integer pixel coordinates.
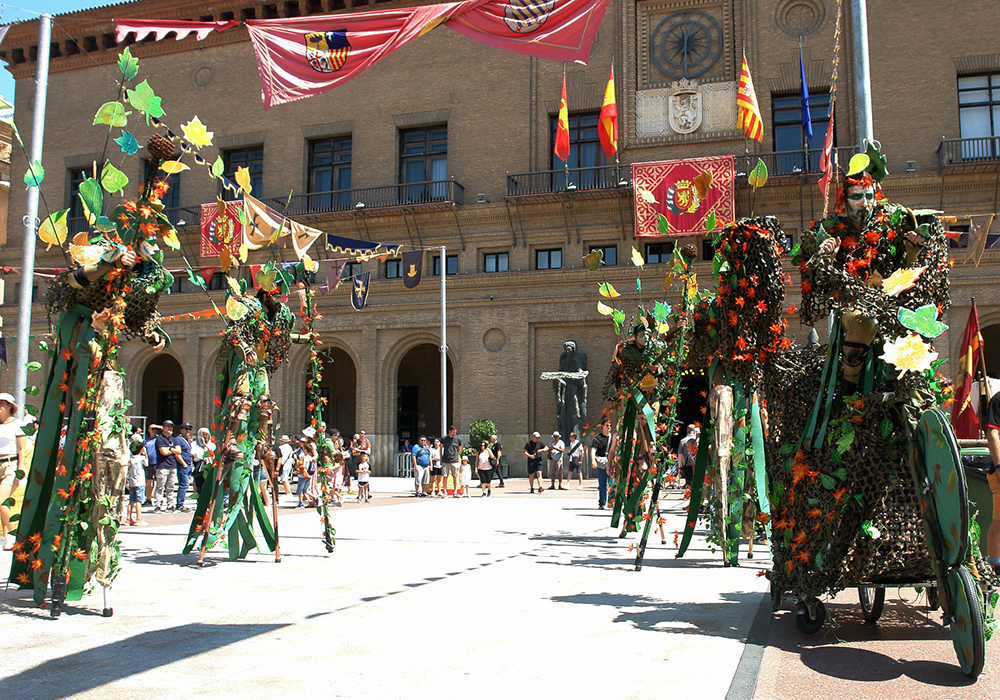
(286, 460)
(13, 442)
(555, 451)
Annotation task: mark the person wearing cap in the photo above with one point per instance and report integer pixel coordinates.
(150, 444)
(202, 452)
(286, 460)
(466, 475)
(168, 450)
(13, 442)
(185, 463)
(555, 451)
(533, 450)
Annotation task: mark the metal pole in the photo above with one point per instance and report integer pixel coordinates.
(862, 75)
(31, 211)
(444, 345)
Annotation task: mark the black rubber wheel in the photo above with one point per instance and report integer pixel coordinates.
(872, 602)
(810, 616)
(967, 628)
(932, 598)
(776, 597)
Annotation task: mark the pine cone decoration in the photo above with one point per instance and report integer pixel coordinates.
(160, 147)
(689, 250)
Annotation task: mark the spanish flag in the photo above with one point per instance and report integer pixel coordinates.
(562, 126)
(607, 127)
(963, 418)
(749, 111)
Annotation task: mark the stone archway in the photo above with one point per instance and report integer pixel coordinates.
(418, 393)
(162, 390)
(340, 388)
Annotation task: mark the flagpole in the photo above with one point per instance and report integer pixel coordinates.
(566, 162)
(31, 212)
(862, 75)
(444, 346)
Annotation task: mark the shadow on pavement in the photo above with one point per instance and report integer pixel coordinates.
(714, 619)
(92, 668)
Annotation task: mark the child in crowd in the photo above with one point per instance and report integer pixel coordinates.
(136, 481)
(466, 476)
(364, 479)
(338, 478)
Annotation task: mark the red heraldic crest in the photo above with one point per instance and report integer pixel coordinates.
(685, 192)
(220, 231)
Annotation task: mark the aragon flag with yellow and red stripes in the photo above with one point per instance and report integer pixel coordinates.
(749, 111)
(963, 418)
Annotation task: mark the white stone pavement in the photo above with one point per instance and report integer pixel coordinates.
(510, 596)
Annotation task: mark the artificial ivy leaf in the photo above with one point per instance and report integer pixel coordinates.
(170, 239)
(128, 64)
(145, 100)
(661, 311)
(105, 225)
(196, 133)
(637, 258)
(54, 230)
(92, 196)
(924, 231)
(859, 161)
(840, 473)
(195, 279)
(638, 284)
(608, 290)
(112, 179)
(242, 178)
(112, 114)
(819, 560)
(870, 530)
(34, 175)
(604, 309)
(235, 309)
(877, 163)
(845, 441)
(127, 143)
(758, 176)
(828, 482)
(710, 222)
(885, 428)
(244, 250)
(923, 321)
(225, 259)
(646, 195)
(901, 280)
(172, 167)
(218, 167)
(662, 225)
(619, 317)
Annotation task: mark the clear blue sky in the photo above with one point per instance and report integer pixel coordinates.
(31, 10)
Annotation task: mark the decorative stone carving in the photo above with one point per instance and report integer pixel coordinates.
(800, 17)
(684, 106)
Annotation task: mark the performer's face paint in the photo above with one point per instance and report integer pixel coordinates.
(860, 203)
(640, 339)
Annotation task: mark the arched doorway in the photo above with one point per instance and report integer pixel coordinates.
(691, 403)
(163, 390)
(991, 343)
(339, 388)
(418, 393)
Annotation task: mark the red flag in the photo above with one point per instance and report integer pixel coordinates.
(683, 193)
(562, 127)
(561, 31)
(607, 125)
(963, 418)
(161, 27)
(826, 159)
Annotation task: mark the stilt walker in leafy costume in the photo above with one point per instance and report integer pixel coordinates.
(642, 384)
(254, 345)
(67, 531)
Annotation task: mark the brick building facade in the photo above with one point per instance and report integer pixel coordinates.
(477, 123)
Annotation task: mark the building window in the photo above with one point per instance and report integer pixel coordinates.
(979, 115)
(496, 262)
(251, 158)
(75, 219)
(586, 157)
(659, 252)
(789, 136)
(217, 281)
(707, 249)
(179, 285)
(172, 199)
(452, 265)
(549, 259)
(393, 269)
(610, 253)
(330, 174)
(423, 159)
(350, 270)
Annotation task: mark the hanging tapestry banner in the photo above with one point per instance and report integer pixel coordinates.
(675, 197)
(220, 231)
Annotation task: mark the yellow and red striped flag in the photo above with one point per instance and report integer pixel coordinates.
(607, 126)
(562, 126)
(749, 111)
(963, 418)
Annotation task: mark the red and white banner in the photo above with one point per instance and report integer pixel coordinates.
(220, 231)
(299, 57)
(159, 28)
(685, 192)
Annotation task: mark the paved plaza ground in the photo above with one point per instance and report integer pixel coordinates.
(517, 595)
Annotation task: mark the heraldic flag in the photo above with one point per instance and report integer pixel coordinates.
(562, 126)
(749, 111)
(359, 294)
(607, 126)
(413, 268)
(963, 418)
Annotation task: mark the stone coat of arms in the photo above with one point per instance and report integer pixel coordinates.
(684, 106)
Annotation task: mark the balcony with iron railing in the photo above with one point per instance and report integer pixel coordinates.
(969, 152)
(581, 180)
(178, 216)
(434, 193)
(790, 163)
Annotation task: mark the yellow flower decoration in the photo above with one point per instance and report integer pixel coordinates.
(901, 280)
(909, 354)
(196, 134)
